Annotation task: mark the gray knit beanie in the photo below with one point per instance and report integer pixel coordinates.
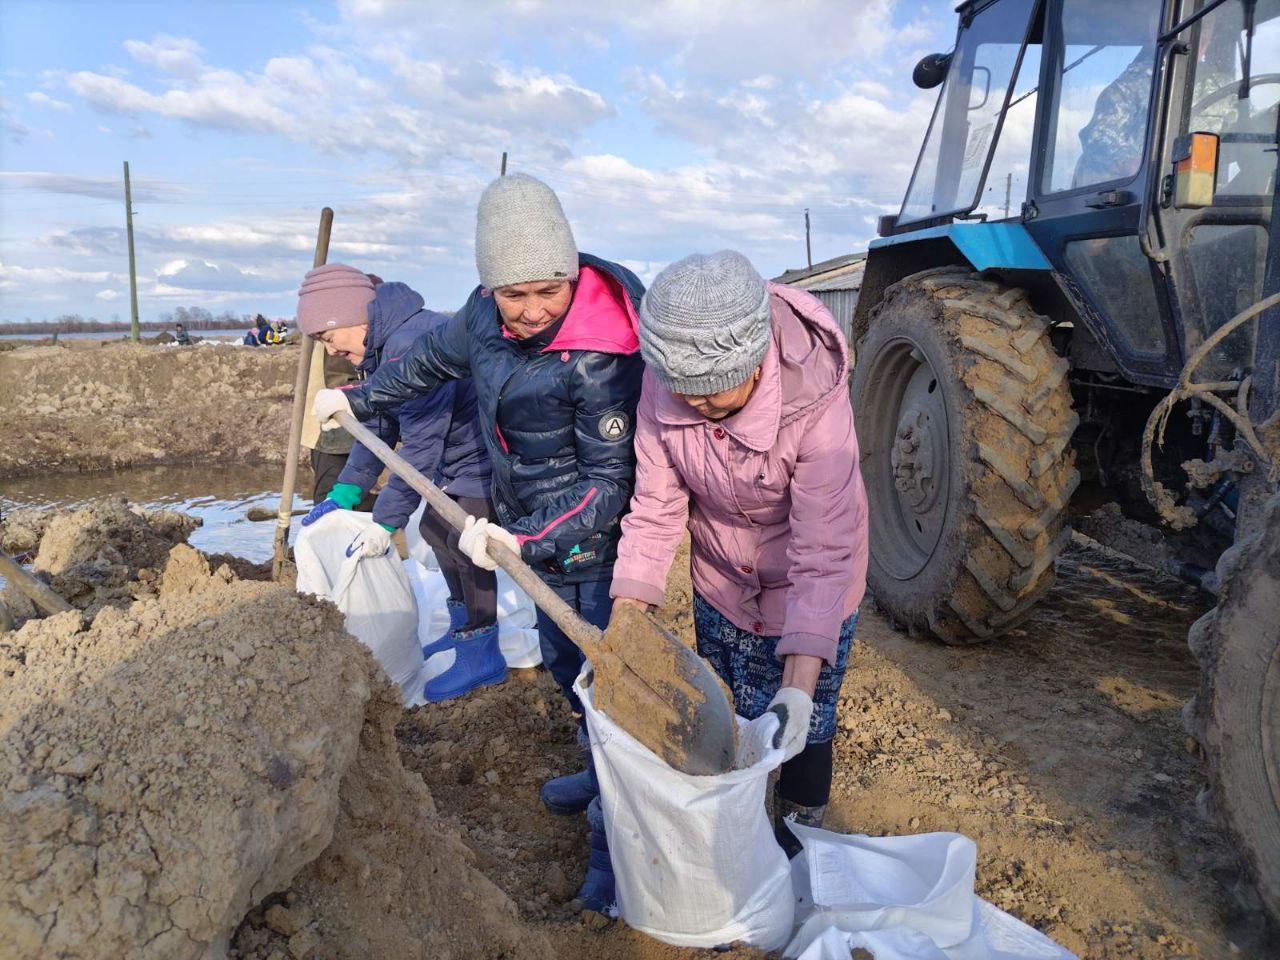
(522, 234)
(705, 323)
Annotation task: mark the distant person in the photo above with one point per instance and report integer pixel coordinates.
(181, 336)
(276, 333)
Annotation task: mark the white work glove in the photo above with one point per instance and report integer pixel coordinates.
(794, 708)
(373, 541)
(327, 403)
(475, 538)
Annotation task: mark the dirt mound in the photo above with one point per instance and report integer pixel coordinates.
(171, 765)
(105, 553)
(21, 530)
(127, 404)
(396, 881)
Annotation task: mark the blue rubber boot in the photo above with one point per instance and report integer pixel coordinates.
(572, 793)
(457, 620)
(478, 662)
(597, 890)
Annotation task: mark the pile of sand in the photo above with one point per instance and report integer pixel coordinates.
(107, 553)
(188, 754)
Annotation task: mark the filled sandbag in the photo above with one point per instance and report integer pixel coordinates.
(695, 858)
(373, 593)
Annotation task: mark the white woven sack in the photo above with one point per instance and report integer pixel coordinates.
(373, 593)
(902, 898)
(695, 858)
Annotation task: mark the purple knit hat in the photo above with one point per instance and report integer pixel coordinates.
(332, 296)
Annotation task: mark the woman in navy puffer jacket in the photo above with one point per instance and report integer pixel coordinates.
(550, 338)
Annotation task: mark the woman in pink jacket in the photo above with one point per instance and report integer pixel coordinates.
(745, 437)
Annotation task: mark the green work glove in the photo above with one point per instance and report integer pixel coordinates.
(346, 495)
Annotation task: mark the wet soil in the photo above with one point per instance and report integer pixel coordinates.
(220, 496)
(124, 404)
(1059, 749)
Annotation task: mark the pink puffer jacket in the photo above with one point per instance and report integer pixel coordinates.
(772, 496)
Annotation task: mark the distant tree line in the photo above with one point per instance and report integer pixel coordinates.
(193, 318)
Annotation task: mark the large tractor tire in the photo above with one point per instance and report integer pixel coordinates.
(964, 421)
(1236, 715)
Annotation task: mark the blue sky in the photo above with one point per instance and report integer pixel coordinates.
(666, 127)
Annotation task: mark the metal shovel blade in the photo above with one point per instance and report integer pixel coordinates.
(663, 694)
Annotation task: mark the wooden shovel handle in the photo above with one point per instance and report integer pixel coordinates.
(42, 596)
(301, 377)
(576, 629)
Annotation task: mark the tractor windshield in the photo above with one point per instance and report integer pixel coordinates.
(966, 120)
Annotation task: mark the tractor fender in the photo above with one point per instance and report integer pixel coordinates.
(980, 246)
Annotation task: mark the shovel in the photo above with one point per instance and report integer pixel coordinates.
(646, 680)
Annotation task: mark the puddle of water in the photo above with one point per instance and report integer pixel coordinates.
(220, 495)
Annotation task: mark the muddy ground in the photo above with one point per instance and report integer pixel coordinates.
(1059, 750)
(115, 405)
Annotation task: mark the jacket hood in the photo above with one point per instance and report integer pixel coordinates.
(391, 307)
(813, 355)
(602, 316)
(805, 368)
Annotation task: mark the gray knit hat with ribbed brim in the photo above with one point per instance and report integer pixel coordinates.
(522, 234)
(705, 323)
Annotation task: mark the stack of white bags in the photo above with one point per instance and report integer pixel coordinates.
(695, 858)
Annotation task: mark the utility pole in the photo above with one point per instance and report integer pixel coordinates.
(504, 163)
(1008, 192)
(133, 265)
(808, 248)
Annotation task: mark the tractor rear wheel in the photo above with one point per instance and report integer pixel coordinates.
(964, 420)
(1236, 716)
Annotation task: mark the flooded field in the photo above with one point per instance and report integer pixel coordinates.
(220, 495)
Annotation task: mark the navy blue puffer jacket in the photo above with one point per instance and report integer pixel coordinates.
(558, 419)
(440, 433)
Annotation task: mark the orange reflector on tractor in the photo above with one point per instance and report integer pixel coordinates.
(1195, 170)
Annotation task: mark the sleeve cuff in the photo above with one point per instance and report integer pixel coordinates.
(637, 590)
(807, 645)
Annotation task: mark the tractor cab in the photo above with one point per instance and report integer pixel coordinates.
(1133, 144)
(1077, 310)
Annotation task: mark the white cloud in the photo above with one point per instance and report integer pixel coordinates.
(180, 55)
(102, 188)
(714, 124)
(107, 294)
(44, 100)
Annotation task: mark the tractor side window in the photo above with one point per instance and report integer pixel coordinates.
(1228, 262)
(961, 135)
(1117, 276)
(1243, 114)
(1098, 120)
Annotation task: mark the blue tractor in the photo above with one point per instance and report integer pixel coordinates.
(1078, 299)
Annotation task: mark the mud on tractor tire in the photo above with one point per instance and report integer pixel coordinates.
(965, 422)
(1236, 715)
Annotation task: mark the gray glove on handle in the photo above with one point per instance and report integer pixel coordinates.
(794, 708)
